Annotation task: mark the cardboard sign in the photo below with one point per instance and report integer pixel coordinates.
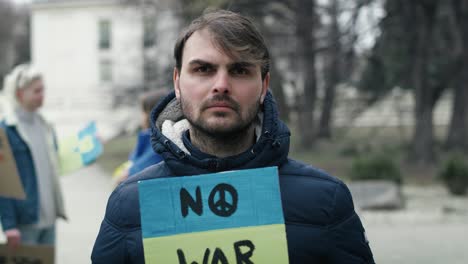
(226, 218)
(27, 254)
(10, 182)
(80, 150)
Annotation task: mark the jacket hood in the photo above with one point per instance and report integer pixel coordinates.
(169, 139)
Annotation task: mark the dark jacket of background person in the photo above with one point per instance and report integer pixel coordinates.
(321, 224)
(143, 155)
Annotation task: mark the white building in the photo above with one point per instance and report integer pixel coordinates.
(89, 51)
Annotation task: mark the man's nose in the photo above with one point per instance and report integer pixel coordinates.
(222, 83)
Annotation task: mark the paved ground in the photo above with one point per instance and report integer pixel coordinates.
(433, 229)
(424, 244)
(86, 193)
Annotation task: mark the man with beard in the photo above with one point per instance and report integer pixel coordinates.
(221, 117)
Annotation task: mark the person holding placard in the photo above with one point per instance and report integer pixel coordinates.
(221, 117)
(143, 155)
(33, 143)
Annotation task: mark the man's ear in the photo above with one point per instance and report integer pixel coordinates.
(265, 85)
(176, 81)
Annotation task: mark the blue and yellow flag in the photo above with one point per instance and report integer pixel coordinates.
(228, 217)
(80, 150)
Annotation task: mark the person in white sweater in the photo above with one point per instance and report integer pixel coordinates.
(33, 143)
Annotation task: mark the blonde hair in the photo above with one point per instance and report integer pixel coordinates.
(19, 78)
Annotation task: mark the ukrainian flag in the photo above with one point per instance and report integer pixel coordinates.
(80, 150)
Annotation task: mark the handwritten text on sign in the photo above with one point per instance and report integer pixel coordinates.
(229, 217)
(27, 254)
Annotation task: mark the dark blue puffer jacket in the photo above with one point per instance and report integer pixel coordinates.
(321, 224)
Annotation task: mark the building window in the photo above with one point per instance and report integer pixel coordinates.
(149, 71)
(149, 32)
(105, 71)
(105, 34)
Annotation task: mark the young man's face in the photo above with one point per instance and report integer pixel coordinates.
(31, 97)
(218, 94)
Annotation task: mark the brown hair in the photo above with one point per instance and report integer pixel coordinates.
(151, 98)
(233, 33)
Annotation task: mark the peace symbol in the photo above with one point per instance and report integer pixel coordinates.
(222, 207)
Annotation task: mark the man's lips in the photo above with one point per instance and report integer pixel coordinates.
(221, 105)
(220, 109)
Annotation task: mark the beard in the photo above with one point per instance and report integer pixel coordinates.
(234, 127)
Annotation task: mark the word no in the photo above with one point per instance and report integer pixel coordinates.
(220, 207)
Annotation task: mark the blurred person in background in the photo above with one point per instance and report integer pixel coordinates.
(34, 148)
(143, 154)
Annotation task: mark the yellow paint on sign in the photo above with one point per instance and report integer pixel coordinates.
(70, 157)
(263, 240)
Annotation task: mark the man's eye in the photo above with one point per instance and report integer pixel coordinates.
(202, 69)
(240, 71)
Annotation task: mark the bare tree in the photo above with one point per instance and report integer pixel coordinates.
(305, 25)
(338, 55)
(423, 15)
(332, 72)
(457, 137)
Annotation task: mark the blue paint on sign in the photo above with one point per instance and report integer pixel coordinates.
(214, 201)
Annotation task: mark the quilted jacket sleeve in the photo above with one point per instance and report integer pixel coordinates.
(119, 238)
(346, 235)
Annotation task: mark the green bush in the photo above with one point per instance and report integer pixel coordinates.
(350, 150)
(355, 149)
(376, 167)
(454, 174)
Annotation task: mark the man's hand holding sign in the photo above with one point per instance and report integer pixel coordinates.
(231, 217)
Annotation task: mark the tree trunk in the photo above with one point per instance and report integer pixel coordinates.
(305, 15)
(422, 144)
(332, 75)
(458, 129)
(276, 85)
(457, 138)
(326, 119)
(276, 80)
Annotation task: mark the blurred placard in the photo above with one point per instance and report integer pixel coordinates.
(80, 150)
(10, 183)
(27, 254)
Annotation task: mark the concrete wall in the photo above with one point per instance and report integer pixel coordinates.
(65, 48)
